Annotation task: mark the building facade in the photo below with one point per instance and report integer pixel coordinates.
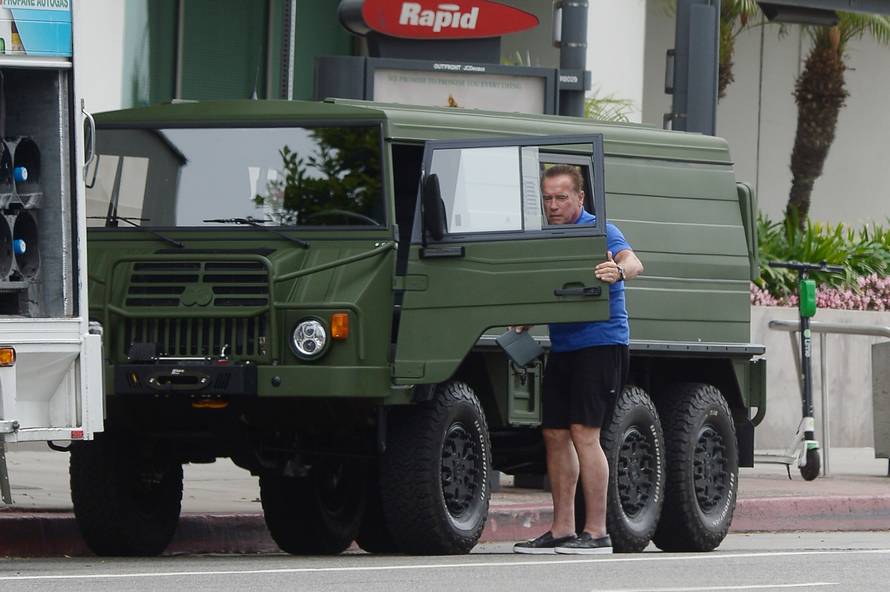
(146, 51)
(758, 117)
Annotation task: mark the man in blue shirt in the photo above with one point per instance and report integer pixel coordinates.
(585, 373)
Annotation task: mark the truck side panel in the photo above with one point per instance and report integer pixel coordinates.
(684, 222)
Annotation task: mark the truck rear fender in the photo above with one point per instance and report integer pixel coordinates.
(656, 375)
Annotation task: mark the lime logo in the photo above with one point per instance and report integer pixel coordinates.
(197, 294)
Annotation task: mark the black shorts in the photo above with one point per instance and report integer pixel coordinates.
(581, 386)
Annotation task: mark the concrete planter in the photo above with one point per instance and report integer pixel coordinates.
(849, 375)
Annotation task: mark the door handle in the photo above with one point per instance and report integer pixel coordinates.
(587, 291)
(90, 147)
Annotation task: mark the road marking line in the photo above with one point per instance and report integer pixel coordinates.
(707, 588)
(433, 566)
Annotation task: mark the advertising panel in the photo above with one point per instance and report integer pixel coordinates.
(39, 28)
(471, 90)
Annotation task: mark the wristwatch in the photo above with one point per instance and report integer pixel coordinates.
(620, 273)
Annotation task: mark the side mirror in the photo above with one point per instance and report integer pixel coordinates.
(433, 208)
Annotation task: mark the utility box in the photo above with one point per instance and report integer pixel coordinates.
(880, 389)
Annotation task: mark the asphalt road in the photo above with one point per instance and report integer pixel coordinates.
(828, 561)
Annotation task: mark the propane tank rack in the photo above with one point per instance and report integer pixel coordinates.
(20, 197)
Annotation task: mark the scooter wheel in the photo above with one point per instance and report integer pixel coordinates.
(814, 463)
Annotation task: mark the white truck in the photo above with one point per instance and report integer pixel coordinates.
(50, 361)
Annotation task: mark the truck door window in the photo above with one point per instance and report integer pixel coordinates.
(480, 188)
(498, 188)
(492, 188)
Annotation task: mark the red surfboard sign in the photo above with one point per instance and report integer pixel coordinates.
(445, 19)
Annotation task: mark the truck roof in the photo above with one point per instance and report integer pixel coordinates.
(408, 123)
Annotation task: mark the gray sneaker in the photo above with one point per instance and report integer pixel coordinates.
(585, 544)
(544, 544)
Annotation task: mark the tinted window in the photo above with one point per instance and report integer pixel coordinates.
(283, 176)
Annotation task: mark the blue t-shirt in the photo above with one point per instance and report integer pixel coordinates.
(615, 331)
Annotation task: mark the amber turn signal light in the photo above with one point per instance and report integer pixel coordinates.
(340, 325)
(209, 404)
(7, 356)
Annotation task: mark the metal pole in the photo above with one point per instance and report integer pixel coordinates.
(573, 53)
(806, 346)
(695, 66)
(826, 411)
(5, 491)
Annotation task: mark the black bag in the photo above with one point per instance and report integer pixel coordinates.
(521, 348)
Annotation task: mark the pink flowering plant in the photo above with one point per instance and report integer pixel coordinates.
(864, 254)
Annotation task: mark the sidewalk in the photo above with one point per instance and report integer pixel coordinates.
(222, 512)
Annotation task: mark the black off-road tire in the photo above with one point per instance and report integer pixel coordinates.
(123, 505)
(373, 534)
(634, 445)
(435, 473)
(314, 515)
(702, 469)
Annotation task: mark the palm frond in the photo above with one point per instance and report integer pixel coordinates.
(878, 26)
(746, 7)
(853, 25)
(608, 108)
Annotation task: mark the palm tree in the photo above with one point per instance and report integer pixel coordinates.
(820, 94)
(734, 18)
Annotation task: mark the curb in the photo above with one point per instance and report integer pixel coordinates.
(44, 534)
(40, 534)
(812, 514)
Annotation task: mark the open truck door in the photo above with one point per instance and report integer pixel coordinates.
(483, 254)
(50, 362)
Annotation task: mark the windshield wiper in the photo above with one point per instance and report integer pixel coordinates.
(259, 224)
(111, 221)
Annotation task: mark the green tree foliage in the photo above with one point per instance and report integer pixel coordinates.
(861, 252)
(343, 174)
(608, 108)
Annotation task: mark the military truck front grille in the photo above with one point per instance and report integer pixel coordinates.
(231, 283)
(246, 337)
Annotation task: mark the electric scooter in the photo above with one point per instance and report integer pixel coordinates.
(804, 448)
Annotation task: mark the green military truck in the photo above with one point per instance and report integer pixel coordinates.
(314, 290)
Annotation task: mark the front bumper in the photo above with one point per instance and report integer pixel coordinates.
(196, 380)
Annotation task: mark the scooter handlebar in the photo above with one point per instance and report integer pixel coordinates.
(797, 266)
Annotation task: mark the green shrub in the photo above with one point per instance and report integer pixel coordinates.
(861, 252)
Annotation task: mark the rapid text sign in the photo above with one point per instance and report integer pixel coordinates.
(455, 19)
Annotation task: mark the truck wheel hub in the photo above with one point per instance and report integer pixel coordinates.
(710, 476)
(636, 472)
(460, 469)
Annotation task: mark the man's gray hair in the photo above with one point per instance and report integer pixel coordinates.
(571, 171)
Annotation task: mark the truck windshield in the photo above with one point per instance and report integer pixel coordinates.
(180, 177)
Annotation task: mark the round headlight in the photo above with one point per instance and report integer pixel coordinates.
(310, 338)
